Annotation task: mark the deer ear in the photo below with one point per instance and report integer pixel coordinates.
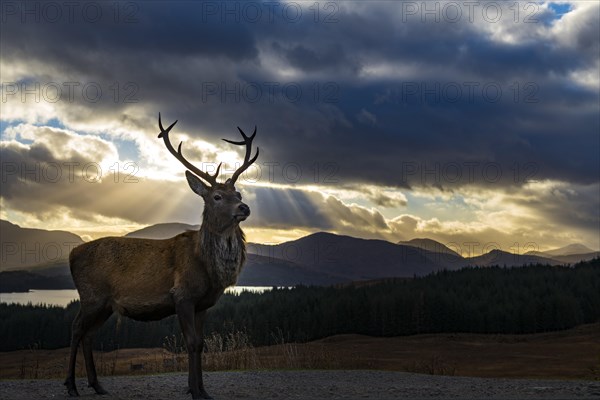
(196, 184)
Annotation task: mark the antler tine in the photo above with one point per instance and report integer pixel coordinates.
(164, 133)
(247, 161)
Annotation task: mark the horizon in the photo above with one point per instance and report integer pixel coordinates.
(366, 132)
(474, 249)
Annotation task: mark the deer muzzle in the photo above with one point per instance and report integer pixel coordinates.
(243, 211)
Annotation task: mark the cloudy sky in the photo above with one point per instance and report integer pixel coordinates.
(466, 122)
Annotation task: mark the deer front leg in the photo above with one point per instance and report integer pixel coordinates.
(187, 316)
(199, 320)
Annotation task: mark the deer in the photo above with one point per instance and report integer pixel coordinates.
(146, 279)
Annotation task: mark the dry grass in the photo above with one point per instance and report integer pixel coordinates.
(573, 354)
(234, 352)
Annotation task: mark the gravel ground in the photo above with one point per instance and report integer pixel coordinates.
(278, 385)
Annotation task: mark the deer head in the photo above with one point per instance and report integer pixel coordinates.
(223, 206)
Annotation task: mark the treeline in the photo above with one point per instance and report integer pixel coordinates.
(478, 300)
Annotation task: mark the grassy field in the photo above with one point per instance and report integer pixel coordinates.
(571, 354)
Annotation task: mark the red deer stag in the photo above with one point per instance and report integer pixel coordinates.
(148, 279)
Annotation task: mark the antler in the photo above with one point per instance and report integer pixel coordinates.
(247, 161)
(164, 133)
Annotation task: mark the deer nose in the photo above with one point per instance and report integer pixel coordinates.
(244, 208)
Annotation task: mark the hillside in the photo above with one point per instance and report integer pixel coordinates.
(268, 271)
(162, 231)
(570, 254)
(575, 258)
(430, 245)
(359, 259)
(26, 247)
(503, 258)
(571, 249)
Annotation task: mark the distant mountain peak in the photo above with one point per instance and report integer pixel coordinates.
(504, 258)
(573, 248)
(429, 245)
(164, 230)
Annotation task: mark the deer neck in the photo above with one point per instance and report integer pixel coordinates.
(223, 253)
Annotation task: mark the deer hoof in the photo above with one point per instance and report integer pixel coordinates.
(71, 388)
(73, 392)
(99, 389)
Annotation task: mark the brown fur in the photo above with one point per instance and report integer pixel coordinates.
(144, 282)
(148, 279)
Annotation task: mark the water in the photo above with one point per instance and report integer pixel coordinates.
(49, 297)
(64, 297)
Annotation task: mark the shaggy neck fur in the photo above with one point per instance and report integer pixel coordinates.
(223, 252)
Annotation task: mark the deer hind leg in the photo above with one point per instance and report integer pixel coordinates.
(76, 336)
(88, 342)
(83, 321)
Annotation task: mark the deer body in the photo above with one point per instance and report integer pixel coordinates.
(147, 279)
(145, 282)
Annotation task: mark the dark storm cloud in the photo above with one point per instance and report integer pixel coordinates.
(201, 66)
(162, 30)
(331, 57)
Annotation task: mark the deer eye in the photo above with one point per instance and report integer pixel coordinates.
(217, 197)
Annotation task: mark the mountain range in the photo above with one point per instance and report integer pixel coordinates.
(26, 247)
(317, 259)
